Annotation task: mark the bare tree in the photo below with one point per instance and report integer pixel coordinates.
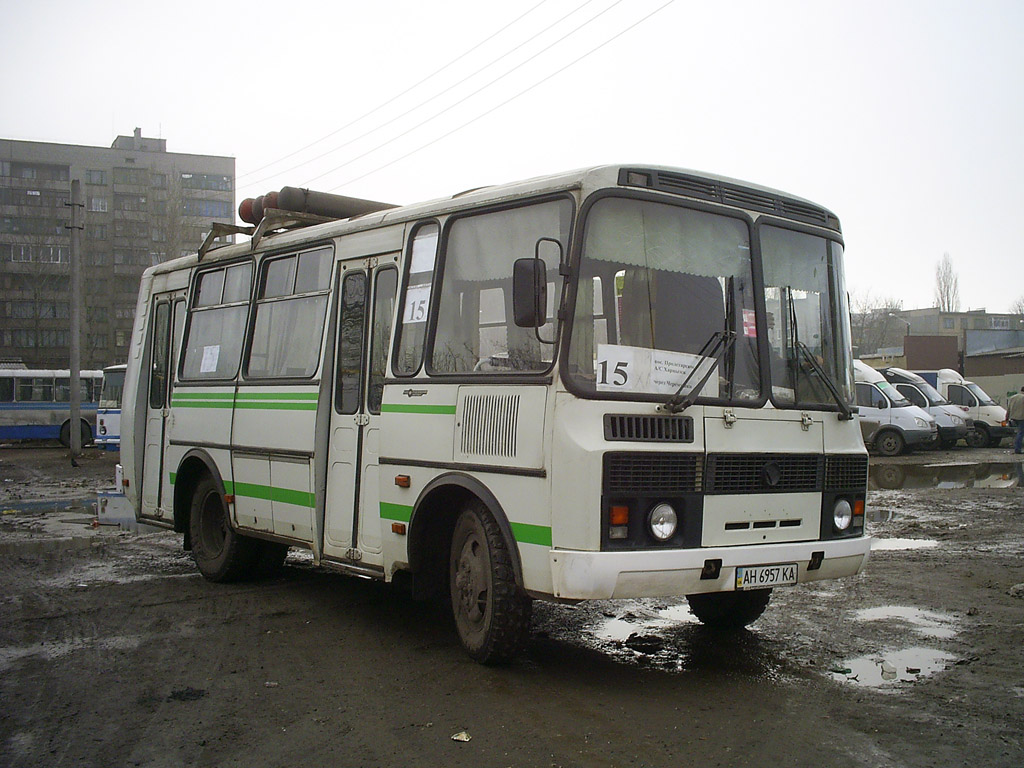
(870, 324)
(947, 286)
(1017, 307)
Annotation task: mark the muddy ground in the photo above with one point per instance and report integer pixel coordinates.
(114, 652)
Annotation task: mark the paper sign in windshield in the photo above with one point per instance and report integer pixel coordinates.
(652, 371)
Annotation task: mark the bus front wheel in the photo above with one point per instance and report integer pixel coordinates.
(492, 615)
(729, 610)
(221, 553)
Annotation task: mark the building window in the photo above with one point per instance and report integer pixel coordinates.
(131, 176)
(964, 323)
(98, 204)
(129, 203)
(215, 209)
(1001, 323)
(96, 231)
(158, 180)
(209, 181)
(95, 177)
(949, 322)
(121, 338)
(96, 314)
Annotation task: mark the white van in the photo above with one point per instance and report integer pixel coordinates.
(989, 417)
(901, 424)
(952, 420)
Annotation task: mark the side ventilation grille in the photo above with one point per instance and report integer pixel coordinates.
(648, 429)
(489, 425)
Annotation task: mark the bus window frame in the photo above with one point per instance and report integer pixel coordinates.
(437, 290)
(190, 310)
(403, 288)
(575, 264)
(259, 272)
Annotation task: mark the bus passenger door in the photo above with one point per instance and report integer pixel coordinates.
(366, 309)
(165, 331)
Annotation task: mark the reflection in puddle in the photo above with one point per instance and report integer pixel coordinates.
(892, 667)
(953, 475)
(640, 621)
(899, 545)
(927, 623)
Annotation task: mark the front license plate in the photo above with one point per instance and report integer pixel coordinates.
(763, 576)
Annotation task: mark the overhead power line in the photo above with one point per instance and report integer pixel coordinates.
(439, 94)
(469, 122)
(484, 87)
(394, 98)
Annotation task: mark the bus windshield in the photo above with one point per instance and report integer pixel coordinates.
(113, 383)
(665, 298)
(808, 318)
(980, 393)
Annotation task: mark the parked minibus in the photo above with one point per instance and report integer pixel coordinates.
(901, 424)
(989, 417)
(952, 421)
(620, 382)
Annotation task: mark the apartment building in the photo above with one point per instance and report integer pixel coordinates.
(143, 205)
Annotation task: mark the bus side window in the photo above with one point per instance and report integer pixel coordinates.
(6, 390)
(290, 308)
(158, 371)
(380, 334)
(350, 342)
(412, 331)
(216, 328)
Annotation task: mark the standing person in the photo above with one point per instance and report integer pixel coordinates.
(1015, 415)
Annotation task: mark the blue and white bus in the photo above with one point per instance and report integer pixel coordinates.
(36, 404)
(108, 415)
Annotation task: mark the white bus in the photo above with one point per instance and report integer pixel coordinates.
(108, 412)
(613, 383)
(35, 404)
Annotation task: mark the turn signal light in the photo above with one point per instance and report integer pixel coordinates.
(618, 515)
(398, 528)
(403, 481)
(858, 507)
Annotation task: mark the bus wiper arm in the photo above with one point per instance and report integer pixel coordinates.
(846, 414)
(719, 340)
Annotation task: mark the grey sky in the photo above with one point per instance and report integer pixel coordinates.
(902, 117)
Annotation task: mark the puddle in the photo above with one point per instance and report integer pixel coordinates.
(891, 668)
(899, 545)
(639, 620)
(950, 475)
(927, 623)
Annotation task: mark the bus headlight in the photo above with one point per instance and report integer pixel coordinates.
(842, 515)
(662, 522)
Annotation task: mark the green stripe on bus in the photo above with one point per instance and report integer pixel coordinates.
(173, 476)
(270, 493)
(441, 410)
(526, 533)
(399, 512)
(268, 406)
(202, 396)
(278, 395)
(175, 403)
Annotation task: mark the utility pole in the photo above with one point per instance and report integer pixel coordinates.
(75, 364)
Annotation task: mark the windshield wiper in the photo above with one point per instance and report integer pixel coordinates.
(846, 414)
(719, 340)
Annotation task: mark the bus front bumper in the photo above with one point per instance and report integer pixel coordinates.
(580, 575)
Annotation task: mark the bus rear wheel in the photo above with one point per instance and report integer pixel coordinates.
(221, 554)
(65, 434)
(492, 615)
(729, 610)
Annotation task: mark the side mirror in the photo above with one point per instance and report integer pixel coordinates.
(529, 292)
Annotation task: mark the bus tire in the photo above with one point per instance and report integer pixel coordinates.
(492, 615)
(221, 553)
(65, 434)
(890, 443)
(729, 610)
